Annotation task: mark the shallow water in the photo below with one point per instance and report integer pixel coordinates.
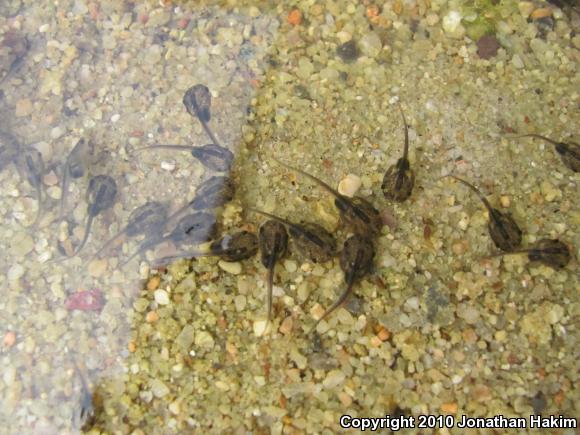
(437, 327)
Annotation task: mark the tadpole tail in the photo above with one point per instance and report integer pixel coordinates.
(166, 147)
(406, 148)
(86, 236)
(64, 191)
(271, 267)
(477, 192)
(340, 301)
(145, 245)
(108, 243)
(271, 216)
(537, 136)
(181, 255)
(321, 183)
(209, 132)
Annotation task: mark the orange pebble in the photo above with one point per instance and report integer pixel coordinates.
(372, 11)
(449, 407)
(9, 339)
(384, 334)
(295, 17)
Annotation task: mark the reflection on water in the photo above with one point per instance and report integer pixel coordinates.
(84, 87)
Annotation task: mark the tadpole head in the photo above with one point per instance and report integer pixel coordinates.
(146, 218)
(197, 101)
(196, 228)
(101, 194)
(273, 241)
(31, 165)
(214, 157)
(398, 181)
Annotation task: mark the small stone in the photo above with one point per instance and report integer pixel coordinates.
(334, 378)
(349, 185)
(9, 339)
(233, 268)
(260, 327)
(451, 21)
(15, 272)
(50, 179)
(240, 302)
(21, 244)
(504, 200)
(153, 283)
(348, 51)
(383, 334)
(23, 108)
(204, 339)
(167, 166)
(97, 267)
(525, 8)
(541, 13)
(450, 407)
(185, 337)
(161, 297)
(56, 132)
(140, 305)
(371, 44)
(549, 191)
(115, 118)
(158, 388)
(290, 266)
(152, 317)
(487, 46)
(286, 326)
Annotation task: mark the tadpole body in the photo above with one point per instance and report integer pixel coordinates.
(145, 219)
(356, 260)
(273, 242)
(237, 246)
(504, 231)
(101, 195)
(357, 213)
(197, 101)
(569, 152)
(311, 240)
(212, 156)
(399, 179)
(550, 252)
(31, 167)
(192, 228)
(75, 167)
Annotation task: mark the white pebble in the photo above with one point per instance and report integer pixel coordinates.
(161, 297)
(451, 21)
(349, 185)
(260, 327)
(56, 132)
(15, 272)
(115, 117)
(167, 166)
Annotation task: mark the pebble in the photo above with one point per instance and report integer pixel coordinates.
(204, 339)
(21, 244)
(525, 8)
(97, 267)
(260, 327)
(487, 46)
(234, 268)
(371, 44)
(549, 191)
(9, 339)
(451, 21)
(290, 266)
(286, 325)
(349, 185)
(334, 378)
(152, 317)
(167, 166)
(153, 283)
(240, 302)
(161, 297)
(15, 272)
(348, 51)
(56, 132)
(23, 108)
(158, 388)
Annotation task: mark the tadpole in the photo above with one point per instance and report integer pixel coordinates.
(357, 213)
(75, 167)
(550, 252)
(192, 228)
(504, 231)
(197, 101)
(212, 156)
(311, 240)
(145, 219)
(31, 167)
(101, 195)
(356, 260)
(273, 242)
(569, 152)
(399, 179)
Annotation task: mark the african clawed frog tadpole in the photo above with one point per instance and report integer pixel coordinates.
(357, 213)
(503, 230)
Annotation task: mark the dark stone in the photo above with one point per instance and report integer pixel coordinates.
(487, 46)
